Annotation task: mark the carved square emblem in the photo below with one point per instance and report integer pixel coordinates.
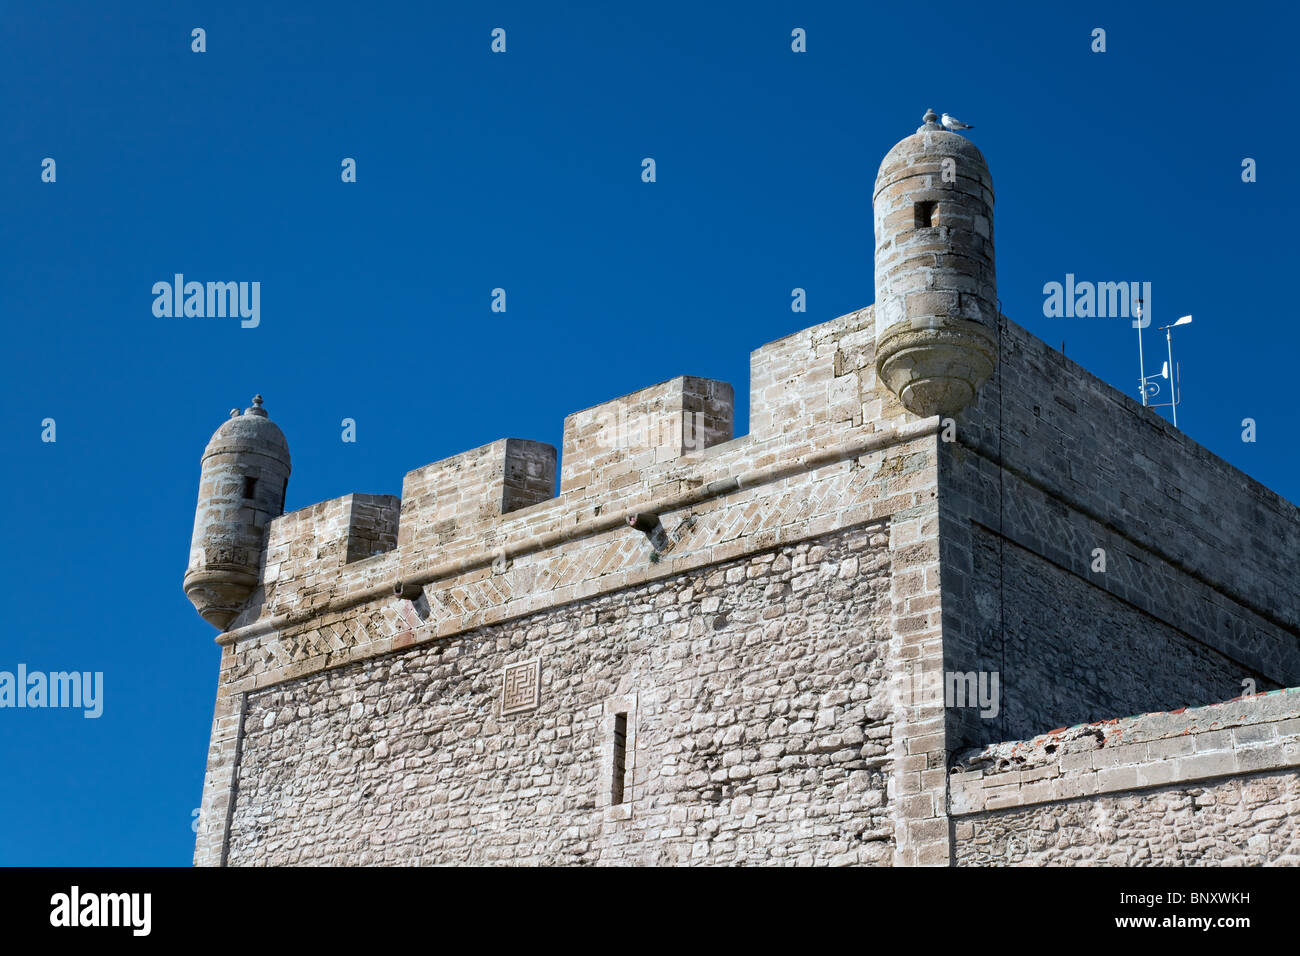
(519, 686)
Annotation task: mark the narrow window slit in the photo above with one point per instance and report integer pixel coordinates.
(250, 485)
(927, 215)
(620, 760)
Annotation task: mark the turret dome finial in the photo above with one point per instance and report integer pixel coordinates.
(931, 121)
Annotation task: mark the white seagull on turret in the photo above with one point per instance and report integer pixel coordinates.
(953, 123)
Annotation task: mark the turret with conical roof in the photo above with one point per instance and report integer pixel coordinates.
(936, 288)
(245, 472)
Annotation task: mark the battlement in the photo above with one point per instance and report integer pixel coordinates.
(662, 517)
(461, 496)
(815, 397)
(690, 652)
(327, 536)
(606, 447)
(812, 395)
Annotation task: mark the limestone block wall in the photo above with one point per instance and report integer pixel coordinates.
(986, 536)
(373, 526)
(818, 381)
(1070, 649)
(316, 542)
(510, 584)
(613, 442)
(751, 693)
(1216, 785)
(1198, 594)
(450, 499)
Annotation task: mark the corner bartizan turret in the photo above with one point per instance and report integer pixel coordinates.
(936, 288)
(242, 484)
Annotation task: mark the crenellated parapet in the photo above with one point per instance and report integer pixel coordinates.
(926, 345)
(667, 451)
(654, 487)
(609, 445)
(694, 625)
(477, 540)
(463, 495)
(323, 539)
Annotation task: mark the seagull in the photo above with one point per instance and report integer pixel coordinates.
(953, 124)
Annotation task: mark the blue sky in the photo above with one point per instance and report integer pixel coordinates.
(522, 171)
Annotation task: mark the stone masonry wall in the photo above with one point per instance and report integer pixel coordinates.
(1198, 592)
(756, 730)
(1238, 821)
(1070, 652)
(495, 562)
(1217, 785)
(986, 536)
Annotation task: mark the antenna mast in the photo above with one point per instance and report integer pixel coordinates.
(1170, 372)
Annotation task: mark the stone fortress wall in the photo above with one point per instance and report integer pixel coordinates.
(1198, 601)
(711, 649)
(1217, 785)
(748, 645)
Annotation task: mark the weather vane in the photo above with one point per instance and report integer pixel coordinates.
(1148, 388)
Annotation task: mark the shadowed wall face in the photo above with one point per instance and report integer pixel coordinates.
(1099, 561)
